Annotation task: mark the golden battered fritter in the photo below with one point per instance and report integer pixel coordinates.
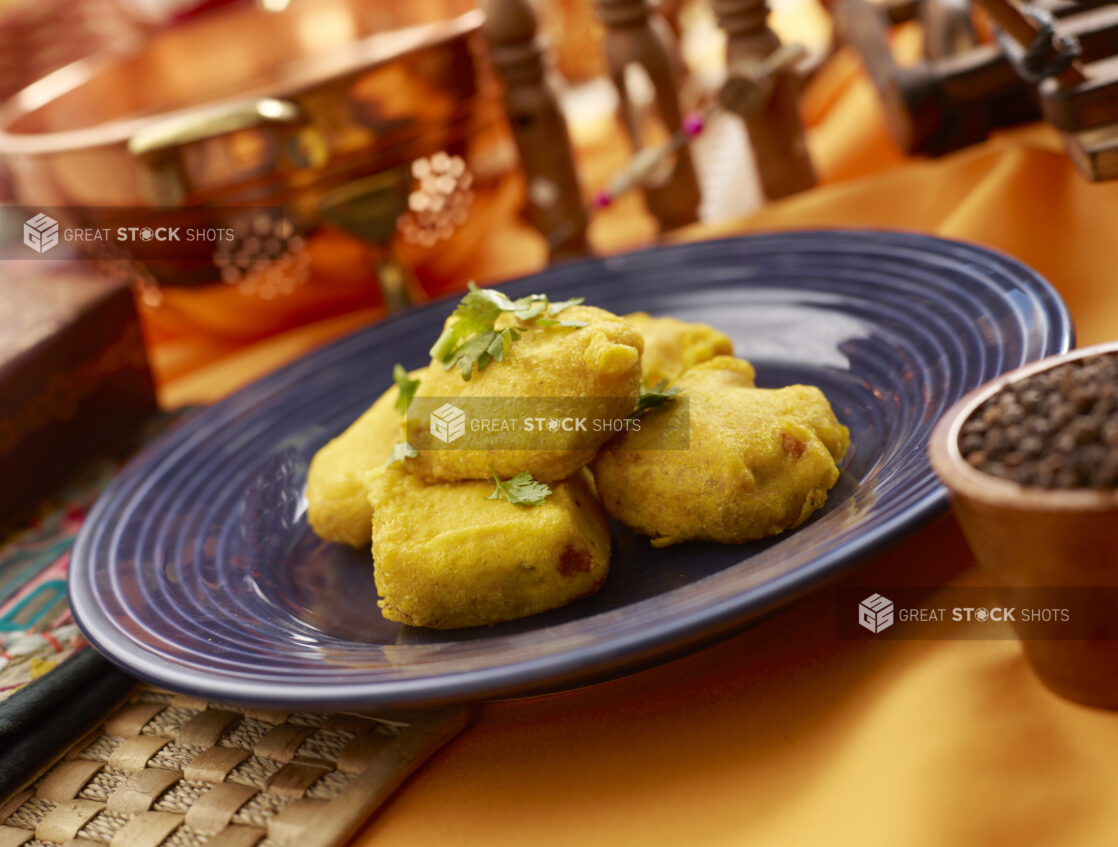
(671, 346)
(445, 556)
(760, 461)
(599, 362)
(337, 498)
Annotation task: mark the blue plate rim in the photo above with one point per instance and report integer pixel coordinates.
(589, 662)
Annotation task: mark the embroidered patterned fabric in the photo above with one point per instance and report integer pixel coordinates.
(37, 631)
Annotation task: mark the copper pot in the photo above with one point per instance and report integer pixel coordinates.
(245, 107)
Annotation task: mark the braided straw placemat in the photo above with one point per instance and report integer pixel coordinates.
(175, 771)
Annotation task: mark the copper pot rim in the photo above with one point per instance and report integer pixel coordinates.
(963, 480)
(314, 70)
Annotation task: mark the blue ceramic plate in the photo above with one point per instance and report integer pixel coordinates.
(197, 571)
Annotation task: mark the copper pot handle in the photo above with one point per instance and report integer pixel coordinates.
(178, 130)
(159, 143)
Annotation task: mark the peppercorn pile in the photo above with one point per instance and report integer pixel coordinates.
(1056, 429)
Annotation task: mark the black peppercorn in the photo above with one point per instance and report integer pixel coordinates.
(1057, 429)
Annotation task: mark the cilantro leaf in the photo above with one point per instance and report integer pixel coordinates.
(476, 313)
(531, 307)
(407, 388)
(555, 308)
(471, 339)
(553, 322)
(401, 451)
(652, 398)
(521, 490)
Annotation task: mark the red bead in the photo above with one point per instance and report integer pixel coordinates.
(693, 123)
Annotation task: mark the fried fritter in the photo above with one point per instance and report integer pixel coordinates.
(759, 461)
(444, 556)
(597, 367)
(337, 499)
(671, 346)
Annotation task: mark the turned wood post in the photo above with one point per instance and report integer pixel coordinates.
(635, 35)
(775, 131)
(539, 128)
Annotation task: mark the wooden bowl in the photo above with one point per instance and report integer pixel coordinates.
(1047, 541)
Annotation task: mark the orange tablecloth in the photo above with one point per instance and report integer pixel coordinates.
(783, 735)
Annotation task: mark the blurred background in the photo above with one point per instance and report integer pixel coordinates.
(378, 140)
(364, 156)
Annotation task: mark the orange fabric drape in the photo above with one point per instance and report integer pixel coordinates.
(783, 735)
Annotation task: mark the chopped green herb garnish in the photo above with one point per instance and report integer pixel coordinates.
(472, 338)
(555, 308)
(521, 490)
(402, 451)
(651, 398)
(552, 322)
(407, 388)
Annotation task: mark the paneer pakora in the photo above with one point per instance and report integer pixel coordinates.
(595, 361)
(337, 496)
(671, 346)
(493, 530)
(446, 556)
(758, 462)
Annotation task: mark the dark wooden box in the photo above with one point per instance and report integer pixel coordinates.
(74, 377)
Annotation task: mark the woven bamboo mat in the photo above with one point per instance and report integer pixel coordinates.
(175, 771)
